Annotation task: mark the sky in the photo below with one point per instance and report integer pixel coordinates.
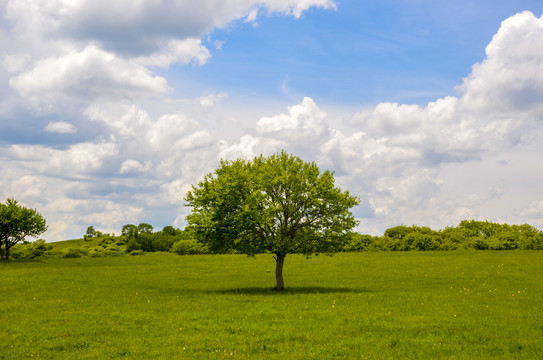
(431, 112)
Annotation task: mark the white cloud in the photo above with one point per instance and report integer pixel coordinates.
(394, 155)
(57, 230)
(112, 215)
(91, 73)
(78, 160)
(129, 166)
(425, 164)
(60, 127)
(296, 8)
(534, 212)
(304, 129)
(208, 101)
(65, 51)
(132, 27)
(15, 62)
(510, 79)
(219, 44)
(178, 52)
(27, 188)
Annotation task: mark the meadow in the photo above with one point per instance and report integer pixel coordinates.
(370, 305)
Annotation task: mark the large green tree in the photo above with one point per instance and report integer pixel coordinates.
(277, 204)
(16, 223)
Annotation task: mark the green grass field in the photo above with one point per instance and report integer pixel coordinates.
(383, 305)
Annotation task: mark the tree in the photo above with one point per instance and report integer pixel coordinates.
(90, 232)
(16, 223)
(130, 231)
(277, 204)
(145, 228)
(169, 230)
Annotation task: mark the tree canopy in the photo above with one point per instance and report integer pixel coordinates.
(277, 204)
(16, 223)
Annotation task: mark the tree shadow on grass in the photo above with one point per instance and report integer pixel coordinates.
(288, 290)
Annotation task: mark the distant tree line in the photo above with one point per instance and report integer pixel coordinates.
(469, 234)
(141, 239)
(133, 240)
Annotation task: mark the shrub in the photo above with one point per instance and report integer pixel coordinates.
(30, 250)
(95, 254)
(132, 245)
(112, 252)
(137, 252)
(106, 241)
(187, 247)
(163, 243)
(74, 252)
(480, 244)
(360, 242)
(424, 242)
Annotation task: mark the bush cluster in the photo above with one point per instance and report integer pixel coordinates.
(469, 234)
(30, 250)
(139, 240)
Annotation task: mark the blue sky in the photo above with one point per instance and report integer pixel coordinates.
(431, 112)
(363, 53)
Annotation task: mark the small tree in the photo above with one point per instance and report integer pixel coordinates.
(145, 228)
(130, 231)
(16, 223)
(90, 233)
(277, 204)
(169, 230)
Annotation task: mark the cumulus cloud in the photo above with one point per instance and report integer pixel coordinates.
(75, 49)
(510, 79)
(15, 62)
(396, 157)
(395, 152)
(306, 119)
(130, 27)
(78, 160)
(183, 51)
(130, 165)
(534, 211)
(91, 73)
(60, 127)
(112, 214)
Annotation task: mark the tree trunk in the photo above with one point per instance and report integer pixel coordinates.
(279, 261)
(1, 250)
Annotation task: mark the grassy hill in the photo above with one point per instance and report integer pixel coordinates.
(58, 246)
(380, 305)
